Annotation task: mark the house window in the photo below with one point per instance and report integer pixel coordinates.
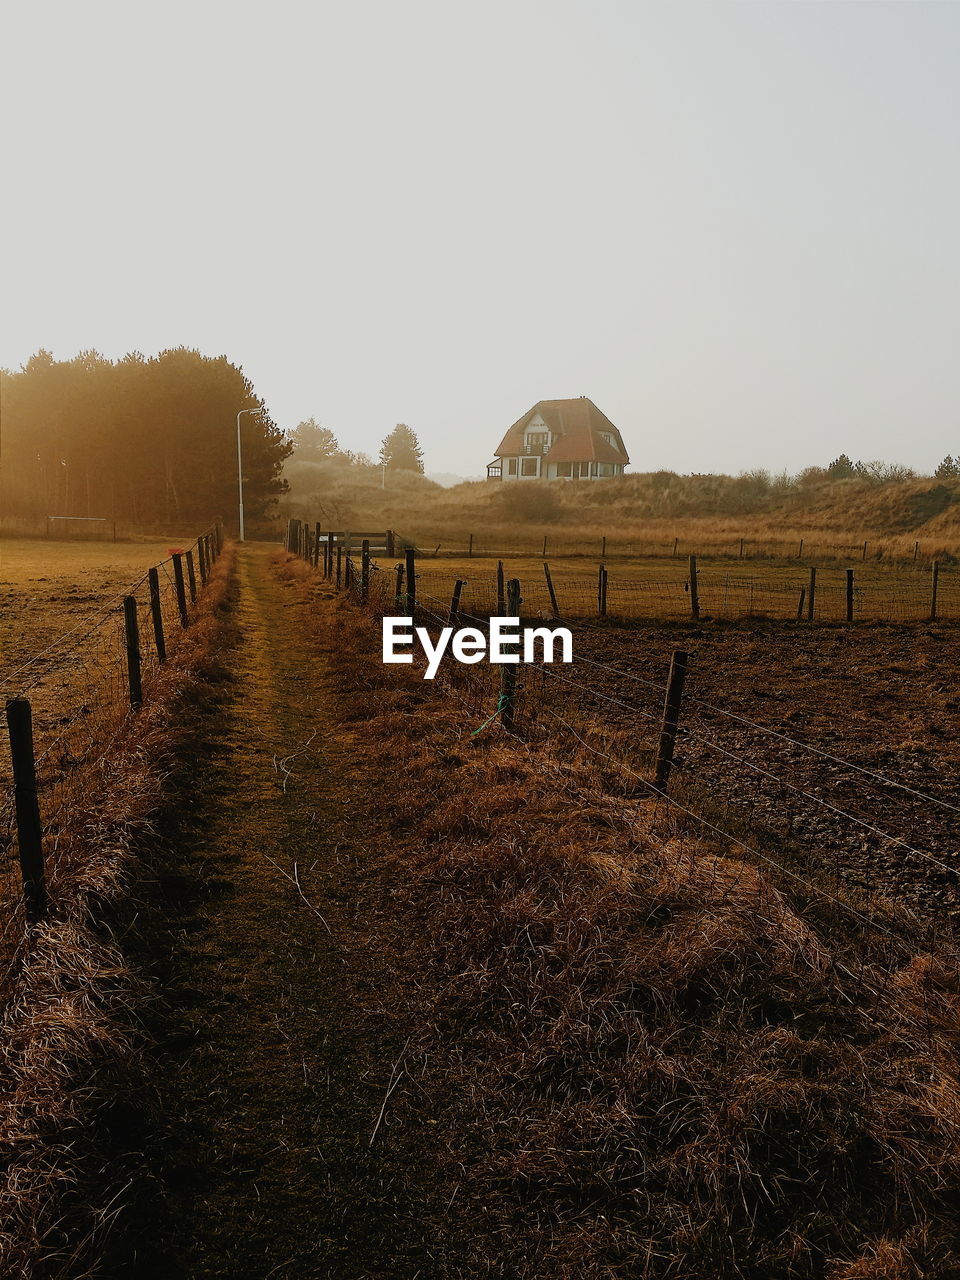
(605, 435)
(537, 442)
(606, 469)
(529, 467)
(564, 468)
(511, 466)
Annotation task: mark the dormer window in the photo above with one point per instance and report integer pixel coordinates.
(537, 441)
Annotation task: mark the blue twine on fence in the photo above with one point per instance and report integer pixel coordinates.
(502, 703)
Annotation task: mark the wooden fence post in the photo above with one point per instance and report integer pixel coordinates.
(191, 578)
(812, 594)
(603, 547)
(741, 548)
(501, 591)
(602, 592)
(389, 549)
(800, 550)
(202, 560)
(934, 584)
(347, 573)
(694, 589)
(553, 595)
(849, 595)
(178, 585)
(131, 631)
(508, 670)
(864, 551)
(339, 565)
(316, 545)
(365, 570)
(916, 551)
(544, 556)
(676, 543)
(803, 596)
(470, 547)
(411, 579)
(455, 601)
(671, 719)
(156, 613)
(27, 809)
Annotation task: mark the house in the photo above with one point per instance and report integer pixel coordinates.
(560, 440)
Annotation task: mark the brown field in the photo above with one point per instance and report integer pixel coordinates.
(762, 538)
(62, 645)
(758, 698)
(917, 518)
(530, 964)
(656, 587)
(49, 587)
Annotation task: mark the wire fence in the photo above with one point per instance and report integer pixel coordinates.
(823, 595)
(494, 542)
(66, 705)
(876, 848)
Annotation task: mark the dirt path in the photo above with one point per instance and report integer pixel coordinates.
(284, 1024)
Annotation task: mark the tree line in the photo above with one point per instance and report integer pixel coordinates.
(143, 441)
(399, 451)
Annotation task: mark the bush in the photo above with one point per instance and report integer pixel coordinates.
(530, 500)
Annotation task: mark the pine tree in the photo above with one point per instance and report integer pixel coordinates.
(401, 450)
(312, 443)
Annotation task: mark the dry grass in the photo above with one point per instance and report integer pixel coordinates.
(47, 586)
(69, 1048)
(655, 1064)
(639, 516)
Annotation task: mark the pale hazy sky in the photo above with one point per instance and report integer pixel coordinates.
(735, 226)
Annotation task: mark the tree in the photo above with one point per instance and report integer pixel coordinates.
(147, 442)
(401, 450)
(841, 468)
(948, 469)
(313, 443)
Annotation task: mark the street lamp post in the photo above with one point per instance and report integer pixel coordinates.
(259, 409)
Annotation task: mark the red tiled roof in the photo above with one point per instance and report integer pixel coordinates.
(575, 426)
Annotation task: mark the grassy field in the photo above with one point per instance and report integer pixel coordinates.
(652, 587)
(746, 537)
(48, 587)
(639, 515)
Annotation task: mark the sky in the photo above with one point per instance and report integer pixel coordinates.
(734, 226)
